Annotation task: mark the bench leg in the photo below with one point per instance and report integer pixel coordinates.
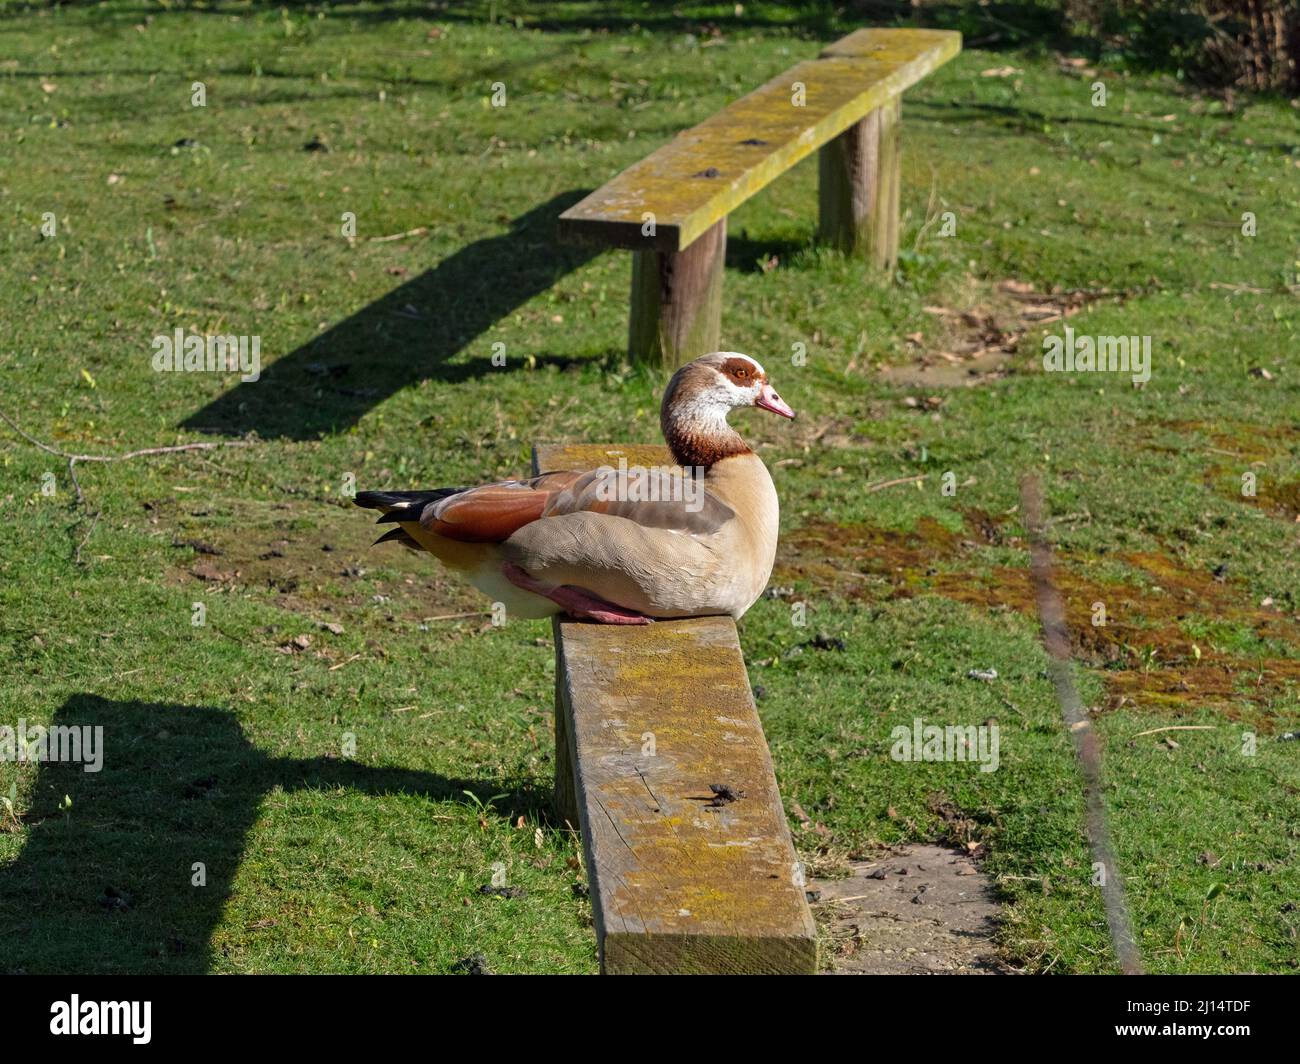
(859, 171)
(676, 313)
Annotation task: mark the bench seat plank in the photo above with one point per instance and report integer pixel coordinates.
(646, 719)
(558, 457)
(754, 141)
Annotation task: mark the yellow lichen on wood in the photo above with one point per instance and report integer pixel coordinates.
(671, 197)
(658, 715)
(895, 45)
(557, 457)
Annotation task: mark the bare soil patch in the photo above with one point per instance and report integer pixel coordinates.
(980, 344)
(923, 909)
(1144, 651)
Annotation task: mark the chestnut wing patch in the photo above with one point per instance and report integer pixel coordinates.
(494, 512)
(652, 497)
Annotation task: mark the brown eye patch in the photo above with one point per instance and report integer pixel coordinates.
(741, 371)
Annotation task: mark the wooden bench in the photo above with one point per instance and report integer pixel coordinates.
(671, 208)
(648, 720)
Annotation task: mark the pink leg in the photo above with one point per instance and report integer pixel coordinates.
(576, 602)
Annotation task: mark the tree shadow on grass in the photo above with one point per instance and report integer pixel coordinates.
(1000, 23)
(105, 885)
(1166, 38)
(329, 383)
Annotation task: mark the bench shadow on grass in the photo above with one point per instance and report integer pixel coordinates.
(105, 886)
(747, 254)
(329, 383)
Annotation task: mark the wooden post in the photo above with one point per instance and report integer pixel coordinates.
(859, 183)
(676, 311)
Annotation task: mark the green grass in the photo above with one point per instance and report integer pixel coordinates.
(228, 746)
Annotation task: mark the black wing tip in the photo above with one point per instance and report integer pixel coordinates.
(400, 500)
(397, 535)
(371, 500)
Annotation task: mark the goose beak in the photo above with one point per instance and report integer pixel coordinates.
(769, 400)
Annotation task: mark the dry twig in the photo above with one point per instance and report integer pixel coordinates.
(73, 459)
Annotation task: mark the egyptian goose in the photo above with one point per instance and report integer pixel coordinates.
(620, 546)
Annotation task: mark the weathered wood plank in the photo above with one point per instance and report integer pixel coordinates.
(892, 45)
(557, 457)
(677, 301)
(698, 178)
(565, 796)
(656, 715)
(648, 718)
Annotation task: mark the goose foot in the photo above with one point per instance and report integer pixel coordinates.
(575, 601)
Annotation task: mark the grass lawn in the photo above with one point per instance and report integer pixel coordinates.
(346, 770)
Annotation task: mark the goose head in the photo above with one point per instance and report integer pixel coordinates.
(700, 396)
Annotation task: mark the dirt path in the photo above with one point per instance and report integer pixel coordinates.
(925, 910)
